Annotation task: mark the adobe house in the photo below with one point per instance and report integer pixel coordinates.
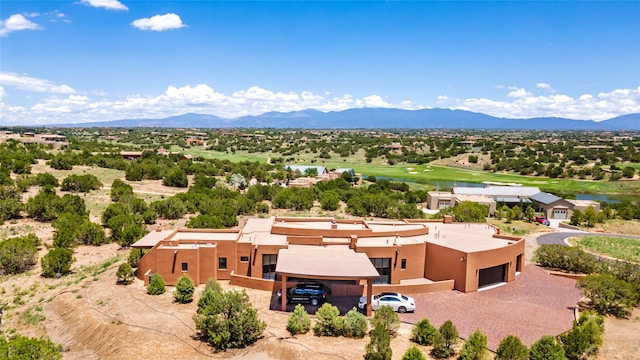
(352, 257)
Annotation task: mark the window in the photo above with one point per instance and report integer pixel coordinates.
(222, 263)
(185, 266)
(269, 266)
(383, 265)
(244, 259)
(403, 264)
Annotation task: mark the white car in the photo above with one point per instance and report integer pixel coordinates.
(397, 301)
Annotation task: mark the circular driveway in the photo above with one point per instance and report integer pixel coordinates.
(559, 237)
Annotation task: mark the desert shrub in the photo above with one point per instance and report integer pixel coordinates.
(10, 209)
(90, 233)
(585, 337)
(388, 318)
(299, 321)
(42, 206)
(566, 258)
(354, 324)
(134, 257)
(120, 190)
(511, 348)
(149, 217)
(126, 229)
(57, 262)
(227, 320)
(546, 348)
(175, 178)
(44, 179)
(413, 353)
(172, 208)
(608, 295)
(80, 183)
(443, 344)
(475, 348)
(328, 321)
(184, 290)
(379, 347)
(156, 285)
(329, 200)
(21, 347)
(467, 211)
(424, 333)
(17, 255)
(124, 273)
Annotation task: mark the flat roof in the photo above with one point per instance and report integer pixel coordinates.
(218, 236)
(465, 237)
(334, 261)
(151, 239)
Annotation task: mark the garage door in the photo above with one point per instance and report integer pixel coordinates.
(492, 275)
(559, 214)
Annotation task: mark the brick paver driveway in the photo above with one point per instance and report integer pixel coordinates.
(533, 305)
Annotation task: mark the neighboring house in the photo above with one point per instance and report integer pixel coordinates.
(554, 207)
(510, 195)
(53, 140)
(410, 256)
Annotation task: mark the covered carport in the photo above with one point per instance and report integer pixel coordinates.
(327, 262)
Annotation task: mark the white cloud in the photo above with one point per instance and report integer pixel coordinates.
(544, 86)
(375, 101)
(16, 22)
(32, 84)
(107, 4)
(159, 22)
(518, 93)
(602, 106)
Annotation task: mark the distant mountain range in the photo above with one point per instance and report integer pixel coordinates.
(375, 118)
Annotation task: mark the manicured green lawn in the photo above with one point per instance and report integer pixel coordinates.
(619, 248)
(428, 173)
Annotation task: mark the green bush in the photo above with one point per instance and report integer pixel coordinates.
(475, 348)
(511, 348)
(379, 347)
(124, 274)
(328, 321)
(413, 353)
(175, 178)
(227, 320)
(354, 324)
(424, 333)
(443, 345)
(44, 179)
(80, 183)
(156, 285)
(608, 295)
(546, 348)
(17, 255)
(299, 321)
(57, 262)
(584, 339)
(184, 290)
(134, 256)
(388, 318)
(24, 348)
(566, 258)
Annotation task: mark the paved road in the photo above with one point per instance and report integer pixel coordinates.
(559, 237)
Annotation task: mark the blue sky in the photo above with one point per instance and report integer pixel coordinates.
(98, 60)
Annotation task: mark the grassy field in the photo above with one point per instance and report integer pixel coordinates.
(619, 248)
(426, 173)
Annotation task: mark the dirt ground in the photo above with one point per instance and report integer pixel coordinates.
(94, 318)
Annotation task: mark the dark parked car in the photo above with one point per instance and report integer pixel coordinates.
(310, 293)
(542, 220)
